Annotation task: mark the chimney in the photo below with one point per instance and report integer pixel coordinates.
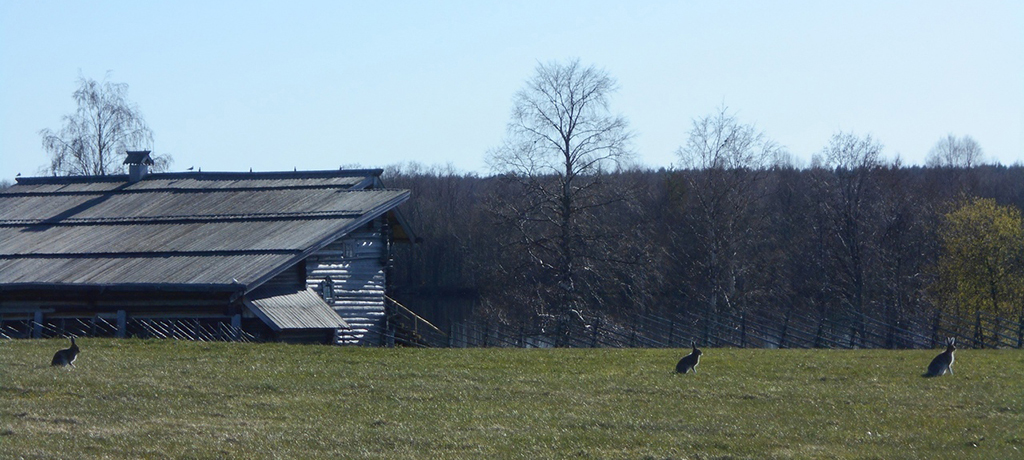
(138, 162)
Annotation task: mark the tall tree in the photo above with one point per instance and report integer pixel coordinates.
(728, 161)
(981, 264)
(560, 142)
(954, 152)
(962, 156)
(847, 181)
(95, 138)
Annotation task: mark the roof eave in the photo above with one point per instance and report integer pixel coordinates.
(125, 287)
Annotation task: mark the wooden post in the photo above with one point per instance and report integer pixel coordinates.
(1020, 331)
(979, 336)
(785, 327)
(743, 330)
(995, 334)
(37, 326)
(821, 330)
(236, 326)
(707, 328)
(853, 334)
(122, 324)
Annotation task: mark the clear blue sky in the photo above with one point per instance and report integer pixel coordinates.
(229, 86)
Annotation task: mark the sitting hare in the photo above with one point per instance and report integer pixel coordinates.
(690, 361)
(944, 362)
(66, 357)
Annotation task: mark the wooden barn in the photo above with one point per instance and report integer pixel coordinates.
(291, 256)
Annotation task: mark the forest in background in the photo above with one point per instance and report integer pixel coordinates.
(816, 242)
(569, 233)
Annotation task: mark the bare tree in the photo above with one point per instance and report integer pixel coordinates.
(95, 138)
(953, 152)
(561, 141)
(728, 161)
(848, 200)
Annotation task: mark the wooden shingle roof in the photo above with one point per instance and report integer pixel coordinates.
(290, 309)
(178, 231)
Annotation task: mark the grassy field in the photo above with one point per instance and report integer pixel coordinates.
(171, 399)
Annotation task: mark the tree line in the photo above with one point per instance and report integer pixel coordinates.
(568, 230)
(886, 240)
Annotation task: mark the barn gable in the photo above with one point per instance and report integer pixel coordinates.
(205, 242)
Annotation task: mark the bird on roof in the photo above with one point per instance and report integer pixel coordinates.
(190, 168)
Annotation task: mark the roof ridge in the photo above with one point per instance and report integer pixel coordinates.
(210, 175)
(182, 219)
(339, 188)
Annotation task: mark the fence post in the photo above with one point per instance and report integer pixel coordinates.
(785, 327)
(122, 324)
(819, 332)
(996, 334)
(1020, 331)
(979, 336)
(890, 334)
(743, 330)
(593, 340)
(37, 327)
(236, 326)
(707, 328)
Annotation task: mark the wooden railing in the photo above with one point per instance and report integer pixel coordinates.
(405, 328)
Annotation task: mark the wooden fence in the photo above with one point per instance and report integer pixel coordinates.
(722, 329)
(750, 330)
(206, 330)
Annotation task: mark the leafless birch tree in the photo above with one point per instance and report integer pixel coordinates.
(95, 138)
(725, 162)
(953, 152)
(561, 140)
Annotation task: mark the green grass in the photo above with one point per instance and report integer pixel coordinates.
(170, 399)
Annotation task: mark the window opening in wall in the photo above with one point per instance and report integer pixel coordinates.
(327, 290)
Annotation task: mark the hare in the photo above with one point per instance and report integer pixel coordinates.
(690, 361)
(944, 362)
(66, 357)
